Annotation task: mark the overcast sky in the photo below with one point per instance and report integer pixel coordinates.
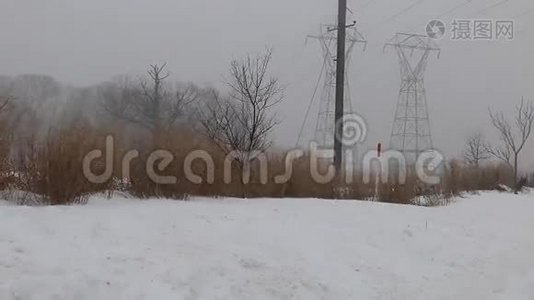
(83, 42)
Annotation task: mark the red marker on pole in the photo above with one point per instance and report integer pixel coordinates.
(379, 149)
(378, 173)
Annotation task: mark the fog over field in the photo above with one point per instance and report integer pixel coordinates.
(82, 43)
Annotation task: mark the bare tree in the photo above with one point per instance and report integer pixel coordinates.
(5, 135)
(149, 104)
(476, 150)
(4, 103)
(513, 139)
(503, 153)
(9, 115)
(36, 104)
(242, 121)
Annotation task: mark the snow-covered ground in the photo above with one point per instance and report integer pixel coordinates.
(481, 247)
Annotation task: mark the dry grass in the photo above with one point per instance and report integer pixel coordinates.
(53, 170)
(468, 178)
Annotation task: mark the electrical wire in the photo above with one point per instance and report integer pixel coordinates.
(312, 100)
(484, 10)
(520, 15)
(398, 14)
(366, 4)
(441, 15)
(404, 11)
(466, 2)
(526, 12)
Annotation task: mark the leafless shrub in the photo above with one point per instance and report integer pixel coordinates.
(399, 193)
(513, 139)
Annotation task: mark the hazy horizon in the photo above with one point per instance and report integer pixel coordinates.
(83, 43)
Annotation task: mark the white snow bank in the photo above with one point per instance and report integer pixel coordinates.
(478, 248)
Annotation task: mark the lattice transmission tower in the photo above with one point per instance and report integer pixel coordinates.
(411, 133)
(324, 130)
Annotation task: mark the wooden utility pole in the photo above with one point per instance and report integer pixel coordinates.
(340, 85)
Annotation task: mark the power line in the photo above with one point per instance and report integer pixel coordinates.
(441, 15)
(367, 4)
(527, 12)
(454, 9)
(520, 15)
(449, 11)
(403, 11)
(484, 10)
(312, 100)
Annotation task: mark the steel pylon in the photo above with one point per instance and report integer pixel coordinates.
(411, 132)
(325, 126)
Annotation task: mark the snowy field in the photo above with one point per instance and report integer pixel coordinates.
(481, 247)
